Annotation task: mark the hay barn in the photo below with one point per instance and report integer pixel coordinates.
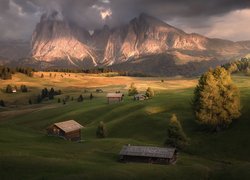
(148, 154)
(114, 97)
(69, 130)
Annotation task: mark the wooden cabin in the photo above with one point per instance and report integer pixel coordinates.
(114, 97)
(148, 154)
(69, 130)
(140, 97)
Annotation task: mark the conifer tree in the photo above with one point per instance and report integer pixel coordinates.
(132, 90)
(216, 100)
(91, 96)
(175, 134)
(2, 103)
(101, 131)
(150, 92)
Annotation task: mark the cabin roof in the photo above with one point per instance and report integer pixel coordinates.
(68, 126)
(114, 95)
(148, 151)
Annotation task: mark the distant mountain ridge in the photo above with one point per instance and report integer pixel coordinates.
(60, 43)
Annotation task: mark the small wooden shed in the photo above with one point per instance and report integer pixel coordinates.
(148, 154)
(70, 130)
(114, 97)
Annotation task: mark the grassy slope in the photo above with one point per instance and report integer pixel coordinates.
(26, 152)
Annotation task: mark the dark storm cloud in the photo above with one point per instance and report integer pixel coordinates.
(19, 17)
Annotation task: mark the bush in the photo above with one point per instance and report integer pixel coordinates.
(175, 134)
(216, 100)
(101, 131)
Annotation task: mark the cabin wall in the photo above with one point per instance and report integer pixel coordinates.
(114, 99)
(153, 160)
(74, 135)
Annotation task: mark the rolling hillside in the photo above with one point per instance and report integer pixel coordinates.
(28, 153)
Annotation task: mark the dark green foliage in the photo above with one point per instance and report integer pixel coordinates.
(80, 98)
(216, 100)
(5, 73)
(91, 96)
(241, 65)
(175, 134)
(101, 131)
(149, 92)
(45, 93)
(30, 101)
(132, 90)
(24, 88)
(2, 103)
(51, 93)
(59, 100)
(9, 89)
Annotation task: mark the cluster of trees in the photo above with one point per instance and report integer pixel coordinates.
(11, 89)
(6, 73)
(25, 70)
(45, 93)
(242, 65)
(216, 100)
(133, 91)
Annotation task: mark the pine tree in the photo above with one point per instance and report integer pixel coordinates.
(175, 134)
(30, 102)
(91, 96)
(101, 131)
(2, 103)
(80, 98)
(59, 100)
(132, 90)
(216, 100)
(150, 92)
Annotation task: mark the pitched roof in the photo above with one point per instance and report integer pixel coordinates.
(116, 95)
(68, 126)
(148, 151)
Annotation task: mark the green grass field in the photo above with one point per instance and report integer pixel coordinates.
(26, 152)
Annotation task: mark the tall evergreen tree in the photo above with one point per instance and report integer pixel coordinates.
(101, 131)
(150, 92)
(175, 134)
(132, 90)
(2, 103)
(216, 99)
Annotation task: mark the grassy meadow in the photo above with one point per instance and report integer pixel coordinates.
(26, 152)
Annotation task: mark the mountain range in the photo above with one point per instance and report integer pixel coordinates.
(146, 44)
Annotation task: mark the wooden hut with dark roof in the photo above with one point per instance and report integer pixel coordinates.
(69, 130)
(148, 154)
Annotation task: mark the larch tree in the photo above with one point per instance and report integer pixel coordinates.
(216, 100)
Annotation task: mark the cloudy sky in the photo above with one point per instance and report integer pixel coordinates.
(227, 19)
